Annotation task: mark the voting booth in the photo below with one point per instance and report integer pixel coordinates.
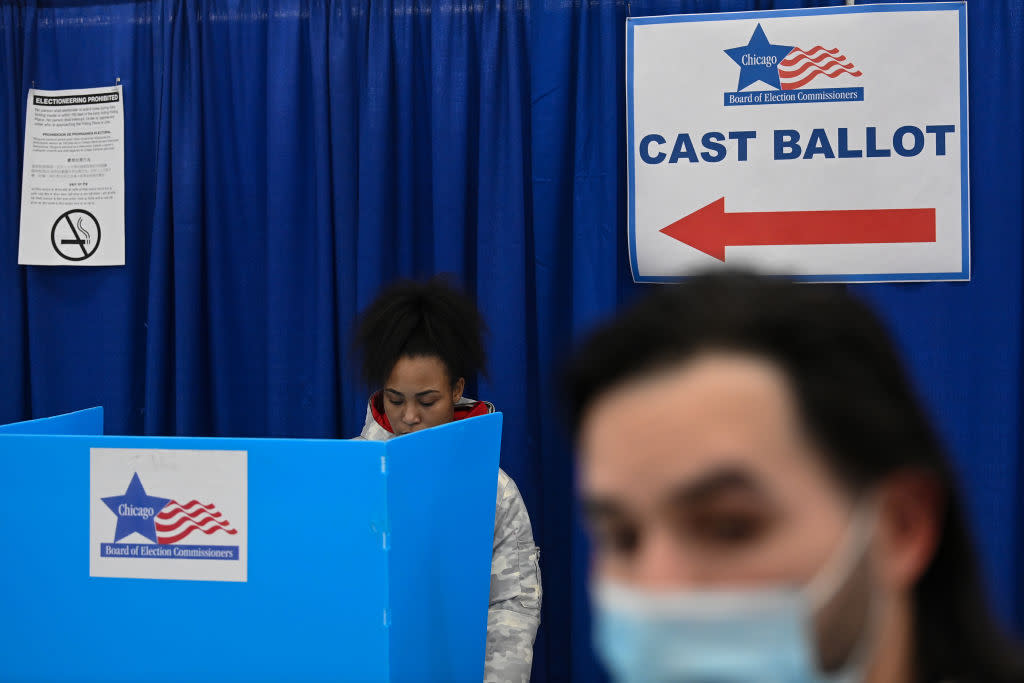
(149, 558)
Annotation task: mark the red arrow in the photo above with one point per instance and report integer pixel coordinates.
(711, 229)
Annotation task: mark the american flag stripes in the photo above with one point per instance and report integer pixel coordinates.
(176, 521)
(800, 67)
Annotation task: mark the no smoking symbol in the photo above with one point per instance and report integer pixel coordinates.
(75, 235)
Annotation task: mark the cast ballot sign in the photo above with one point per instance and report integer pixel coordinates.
(827, 144)
(72, 190)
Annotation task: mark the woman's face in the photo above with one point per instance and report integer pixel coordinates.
(701, 476)
(419, 394)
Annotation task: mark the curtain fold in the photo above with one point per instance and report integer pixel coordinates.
(15, 398)
(285, 159)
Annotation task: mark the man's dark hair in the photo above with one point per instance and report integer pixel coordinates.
(855, 400)
(410, 318)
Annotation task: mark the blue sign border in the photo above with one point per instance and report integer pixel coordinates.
(965, 206)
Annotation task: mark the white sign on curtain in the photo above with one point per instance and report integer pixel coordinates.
(72, 189)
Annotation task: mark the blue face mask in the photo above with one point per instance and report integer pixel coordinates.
(716, 636)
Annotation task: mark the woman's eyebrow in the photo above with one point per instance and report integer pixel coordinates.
(421, 394)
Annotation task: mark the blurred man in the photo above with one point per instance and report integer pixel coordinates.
(767, 500)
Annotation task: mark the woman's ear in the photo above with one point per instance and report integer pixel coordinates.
(457, 389)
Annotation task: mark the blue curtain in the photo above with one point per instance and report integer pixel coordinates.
(284, 159)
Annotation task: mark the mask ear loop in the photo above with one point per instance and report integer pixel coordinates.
(840, 565)
(829, 580)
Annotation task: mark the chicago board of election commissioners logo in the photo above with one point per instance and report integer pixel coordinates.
(165, 522)
(788, 69)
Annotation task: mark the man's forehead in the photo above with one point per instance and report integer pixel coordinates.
(720, 419)
(691, 399)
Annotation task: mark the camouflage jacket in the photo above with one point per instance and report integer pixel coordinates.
(514, 612)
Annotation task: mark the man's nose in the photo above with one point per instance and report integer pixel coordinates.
(661, 563)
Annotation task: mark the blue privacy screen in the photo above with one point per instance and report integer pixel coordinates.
(367, 561)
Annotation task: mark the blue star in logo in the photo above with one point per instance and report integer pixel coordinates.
(759, 60)
(136, 511)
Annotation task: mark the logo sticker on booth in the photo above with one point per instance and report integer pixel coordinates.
(168, 514)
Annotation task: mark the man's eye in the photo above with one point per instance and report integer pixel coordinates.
(729, 530)
(617, 541)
